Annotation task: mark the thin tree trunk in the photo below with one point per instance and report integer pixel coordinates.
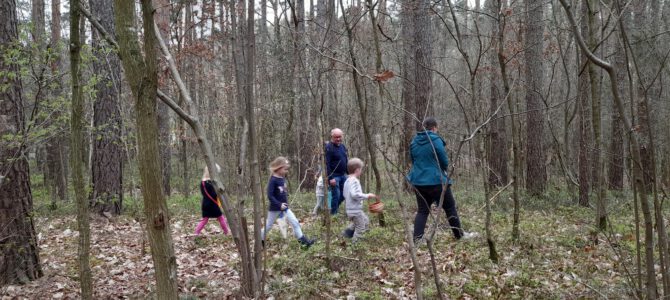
(594, 78)
(585, 134)
(616, 151)
(366, 128)
(55, 148)
(253, 147)
(235, 215)
(77, 148)
(650, 274)
(141, 74)
(516, 154)
(536, 174)
(496, 150)
(163, 21)
(408, 93)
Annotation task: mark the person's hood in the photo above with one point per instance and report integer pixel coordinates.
(425, 137)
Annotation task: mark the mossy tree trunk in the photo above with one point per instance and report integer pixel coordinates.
(141, 75)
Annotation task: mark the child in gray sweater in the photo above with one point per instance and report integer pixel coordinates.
(354, 196)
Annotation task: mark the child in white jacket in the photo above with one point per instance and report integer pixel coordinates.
(354, 196)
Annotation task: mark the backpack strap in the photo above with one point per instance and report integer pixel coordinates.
(217, 201)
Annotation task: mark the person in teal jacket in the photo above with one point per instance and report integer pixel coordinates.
(429, 176)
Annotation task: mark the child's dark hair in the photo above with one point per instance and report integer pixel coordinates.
(354, 164)
(429, 123)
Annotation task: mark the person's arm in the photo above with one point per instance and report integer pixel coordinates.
(272, 185)
(346, 159)
(357, 192)
(441, 153)
(330, 167)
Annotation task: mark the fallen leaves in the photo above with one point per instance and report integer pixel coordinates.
(384, 76)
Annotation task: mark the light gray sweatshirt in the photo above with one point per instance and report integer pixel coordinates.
(353, 195)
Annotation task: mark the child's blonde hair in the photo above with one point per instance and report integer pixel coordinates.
(354, 164)
(278, 163)
(205, 173)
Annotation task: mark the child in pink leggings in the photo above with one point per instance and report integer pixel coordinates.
(211, 205)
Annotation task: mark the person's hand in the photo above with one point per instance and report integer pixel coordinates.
(373, 196)
(284, 206)
(332, 182)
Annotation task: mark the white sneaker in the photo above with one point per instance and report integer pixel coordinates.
(469, 235)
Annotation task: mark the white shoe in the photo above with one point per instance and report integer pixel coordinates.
(469, 235)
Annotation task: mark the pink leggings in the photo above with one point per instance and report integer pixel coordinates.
(203, 222)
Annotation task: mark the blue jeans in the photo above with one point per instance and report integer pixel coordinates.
(427, 195)
(338, 196)
(290, 217)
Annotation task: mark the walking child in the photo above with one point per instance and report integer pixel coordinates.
(211, 204)
(278, 195)
(354, 196)
(319, 195)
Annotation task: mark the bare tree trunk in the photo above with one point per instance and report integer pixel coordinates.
(497, 149)
(369, 131)
(616, 151)
(536, 174)
(585, 134)
(77, 148)
(516, 154)
(594, 78)
(55, 147)
(651, 292)
(18, 241)
(410, 123)
(423, 84)
(253, 148)
(141, 74)
(107, 159)
(163, 21)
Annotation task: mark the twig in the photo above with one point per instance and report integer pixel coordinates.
(497, 193)
(348, 258)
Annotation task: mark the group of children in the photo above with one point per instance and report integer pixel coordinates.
(278, 197)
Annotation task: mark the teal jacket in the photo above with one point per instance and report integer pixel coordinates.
(429, 165)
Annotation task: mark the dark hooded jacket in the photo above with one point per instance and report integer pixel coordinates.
(429, 160)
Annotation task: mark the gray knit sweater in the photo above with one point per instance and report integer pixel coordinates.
(353, 195)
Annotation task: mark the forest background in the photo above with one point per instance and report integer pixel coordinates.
(553, 113)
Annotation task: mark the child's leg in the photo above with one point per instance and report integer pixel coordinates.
(319, 204)
(290, 217)
(201, 225)
(349, 231)
(272, 217)
(223, 223)
(361, 223)
(282, 227)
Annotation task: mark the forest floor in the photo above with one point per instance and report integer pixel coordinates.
(557, 256)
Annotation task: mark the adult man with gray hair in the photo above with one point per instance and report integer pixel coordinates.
(336, 167)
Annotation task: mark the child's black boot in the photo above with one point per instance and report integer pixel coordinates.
(305, 242)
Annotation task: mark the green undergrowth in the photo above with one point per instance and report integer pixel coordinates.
(559, 254)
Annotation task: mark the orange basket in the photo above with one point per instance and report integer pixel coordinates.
(376, 207)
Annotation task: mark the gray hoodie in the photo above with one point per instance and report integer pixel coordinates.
(353, 195)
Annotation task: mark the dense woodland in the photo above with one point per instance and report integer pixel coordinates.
(554, 114)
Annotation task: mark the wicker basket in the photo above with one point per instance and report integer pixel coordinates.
(376, 207)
